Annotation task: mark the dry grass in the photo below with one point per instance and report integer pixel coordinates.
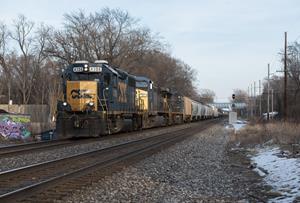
(284, 132)
(278, 132)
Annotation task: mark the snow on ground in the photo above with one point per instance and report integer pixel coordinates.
(238, 125)
(282, 173)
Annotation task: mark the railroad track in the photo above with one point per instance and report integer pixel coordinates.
(20, 149)
(25, 181)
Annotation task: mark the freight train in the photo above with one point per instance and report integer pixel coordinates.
(100, 99)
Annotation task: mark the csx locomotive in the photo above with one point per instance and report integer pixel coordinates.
(100, 99)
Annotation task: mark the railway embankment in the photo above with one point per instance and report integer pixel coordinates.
(198, 169)
(217, 163)
(71, 172)
(80, 146)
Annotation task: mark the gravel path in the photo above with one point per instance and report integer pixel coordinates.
(32, 158)
(195, 170)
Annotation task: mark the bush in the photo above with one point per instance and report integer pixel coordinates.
(278, 132)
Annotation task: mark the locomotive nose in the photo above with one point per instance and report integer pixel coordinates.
(82, 95)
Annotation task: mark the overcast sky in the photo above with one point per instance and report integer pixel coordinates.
(228, 42)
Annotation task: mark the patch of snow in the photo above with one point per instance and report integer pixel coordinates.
(282, 173)
(238, 125)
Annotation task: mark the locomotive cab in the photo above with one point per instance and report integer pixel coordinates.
(82, 84)
(98, 100)
(85, 88)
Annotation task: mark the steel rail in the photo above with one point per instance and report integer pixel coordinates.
(146, 145)
(19, 149)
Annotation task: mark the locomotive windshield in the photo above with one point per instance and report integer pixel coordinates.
(142, 84)
(83, 76)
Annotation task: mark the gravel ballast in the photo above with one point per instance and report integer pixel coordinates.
(51, 154)
(197, 169)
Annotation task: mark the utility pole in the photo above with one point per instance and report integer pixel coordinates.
(251, 101)
(260, 95)
(272, 103)
(255, 113)
(268, 100)
(248, 103)
(285, 77)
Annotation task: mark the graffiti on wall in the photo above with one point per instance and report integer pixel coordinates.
(14, 126)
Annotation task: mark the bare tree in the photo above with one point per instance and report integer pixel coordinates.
(6, 74)
(294, 68)
(22, 35)
(207, 96)
(41, 72)
(110, 34)
(166, 71)
(293, 86)
(3, 43)
(241, 96)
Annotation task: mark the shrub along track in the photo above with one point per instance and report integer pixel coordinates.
(54, 179)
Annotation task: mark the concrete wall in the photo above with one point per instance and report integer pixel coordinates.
(37, 128)
(38, 113)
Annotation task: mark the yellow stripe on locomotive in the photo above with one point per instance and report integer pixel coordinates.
(141, 97)
(82, 95)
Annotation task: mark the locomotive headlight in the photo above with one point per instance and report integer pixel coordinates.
(86, 68)
(65, 103)
(91, 104)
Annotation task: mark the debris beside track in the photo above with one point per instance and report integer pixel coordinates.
(196, 169)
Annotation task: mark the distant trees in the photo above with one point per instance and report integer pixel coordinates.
(294, 71)
(4, 71)
(166, 71)
(293, 87)
(241, 96)
(110, 34)
(24, 66)
(207, 96)
(32, 56)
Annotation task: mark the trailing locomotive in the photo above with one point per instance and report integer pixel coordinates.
(100, 99)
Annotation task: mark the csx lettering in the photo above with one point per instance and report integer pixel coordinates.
(80, 93)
